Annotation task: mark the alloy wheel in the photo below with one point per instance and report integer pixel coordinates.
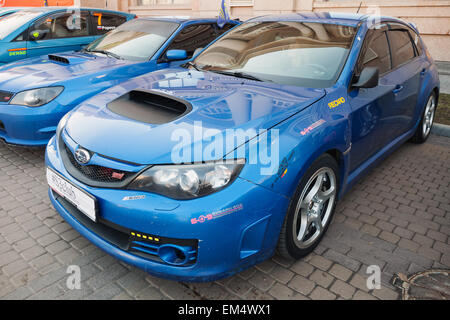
(314, 207)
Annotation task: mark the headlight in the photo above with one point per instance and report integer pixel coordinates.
(188, 181)
(62, 123)
(36, 97)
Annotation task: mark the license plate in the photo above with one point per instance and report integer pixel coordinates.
(84, 202)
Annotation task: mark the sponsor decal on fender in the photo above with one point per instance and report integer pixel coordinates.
(217, 214)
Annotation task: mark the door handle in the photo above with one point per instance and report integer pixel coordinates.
(397, 89)
(422, 73)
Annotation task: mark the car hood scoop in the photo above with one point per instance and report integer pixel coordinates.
(143, 120)
(58, 70)
(149, 107)
(59, 59)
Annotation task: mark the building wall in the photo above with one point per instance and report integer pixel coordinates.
(431, 16)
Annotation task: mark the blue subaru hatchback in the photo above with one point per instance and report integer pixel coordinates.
(35, 93)
(36, 31)
(200, 171)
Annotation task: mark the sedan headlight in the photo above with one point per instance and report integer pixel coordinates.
(61, 124)
(188, 181)
(36, 97)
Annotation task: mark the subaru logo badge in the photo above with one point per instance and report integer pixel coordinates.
(82, 156)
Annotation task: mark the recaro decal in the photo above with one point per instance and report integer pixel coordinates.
(336, 103)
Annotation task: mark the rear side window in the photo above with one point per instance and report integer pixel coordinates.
(401, 47)
(194, 37)
(62, 25)
(105, 22)
(377, 52)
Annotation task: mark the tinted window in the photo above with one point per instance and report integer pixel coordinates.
(136, 40)
(377, 52)
(14, 21)
(193, 37)
(62, 25)
(225, 28)
(105, 22)
(292, 53)
(401, 47)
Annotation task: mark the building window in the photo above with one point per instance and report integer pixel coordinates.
(241, 3)
(159, 2)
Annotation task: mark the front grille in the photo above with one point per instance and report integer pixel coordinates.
(98, 173)
(5, 96)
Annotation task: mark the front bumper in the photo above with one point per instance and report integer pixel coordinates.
(225, 244)
(29, 126)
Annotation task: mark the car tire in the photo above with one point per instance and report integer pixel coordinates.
(426, 123)
(311, 209)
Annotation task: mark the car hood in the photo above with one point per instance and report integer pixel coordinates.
(217, 103)
(42, 71)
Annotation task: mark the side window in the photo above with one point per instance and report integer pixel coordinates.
(401, 47)
(61, 25)
(225, 29)
(193, 37)
(105, 22)
(377, 52)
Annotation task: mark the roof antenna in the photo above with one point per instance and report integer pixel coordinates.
(360, 4)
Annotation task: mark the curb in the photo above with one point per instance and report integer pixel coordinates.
(441, 130)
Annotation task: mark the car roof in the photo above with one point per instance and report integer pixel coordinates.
(350, 19)
(184, 20)
(51, 9)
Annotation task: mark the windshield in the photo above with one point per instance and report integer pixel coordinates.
(291, 53)
(136, 40)
(14, 21)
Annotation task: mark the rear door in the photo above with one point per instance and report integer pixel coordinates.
(58, 32)
(406, 75)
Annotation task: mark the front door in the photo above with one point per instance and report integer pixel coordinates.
(372, 107)
(63, 31)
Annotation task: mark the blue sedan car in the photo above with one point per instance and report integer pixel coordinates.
(31, 32)
(200, 171)
(35, 93)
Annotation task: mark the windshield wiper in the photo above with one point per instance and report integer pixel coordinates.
(239, 74)
(108, 53)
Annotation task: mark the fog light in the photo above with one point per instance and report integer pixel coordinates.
(173, 255)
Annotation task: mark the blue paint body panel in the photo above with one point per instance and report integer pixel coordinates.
(364, 128)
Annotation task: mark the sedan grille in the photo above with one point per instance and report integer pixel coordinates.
(98, 173)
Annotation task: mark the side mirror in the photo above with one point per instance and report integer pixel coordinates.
(40, 34)
(175, 55)
(368, 78)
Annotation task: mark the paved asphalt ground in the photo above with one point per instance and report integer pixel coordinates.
(398, 217)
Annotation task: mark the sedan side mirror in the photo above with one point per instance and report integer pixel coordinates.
(368, 78)
(36, 35)
(175, 55)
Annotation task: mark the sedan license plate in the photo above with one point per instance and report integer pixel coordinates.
(84, 202)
